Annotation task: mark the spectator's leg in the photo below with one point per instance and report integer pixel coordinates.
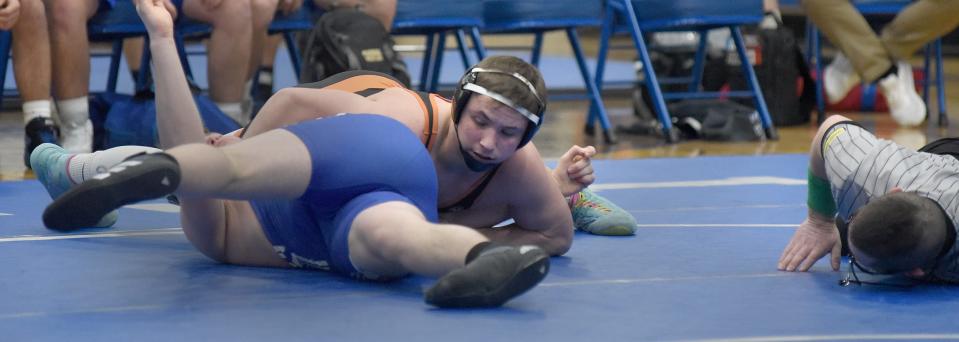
(228, 51)
(848, 30)
(31, 69)
(67, 22)
(918, 24)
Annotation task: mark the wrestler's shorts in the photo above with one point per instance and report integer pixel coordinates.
(358, 160)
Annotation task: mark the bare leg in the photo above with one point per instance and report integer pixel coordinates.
(132, 51)
(263, 11)
(230, 46)
(394, 238)
(71, 50)
(269, 51)
(31, 52)
(275, 164)
(67, 22)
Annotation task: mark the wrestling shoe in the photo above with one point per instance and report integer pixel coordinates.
(138, 178)
(494, 277)
(597, 215)
(38, 130)
(839, 78)
(50, 164)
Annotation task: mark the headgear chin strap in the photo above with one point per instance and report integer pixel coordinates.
(472, 163)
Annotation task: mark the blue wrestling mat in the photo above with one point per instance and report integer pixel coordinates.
(701, 267)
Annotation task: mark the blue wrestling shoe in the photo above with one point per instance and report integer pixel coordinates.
(596, 215)
(49, 164)
(494, 277)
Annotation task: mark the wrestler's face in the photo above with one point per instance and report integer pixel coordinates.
(490, 131)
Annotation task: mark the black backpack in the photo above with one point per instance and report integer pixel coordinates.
(784, 77)
(347, 39)
(782, 73)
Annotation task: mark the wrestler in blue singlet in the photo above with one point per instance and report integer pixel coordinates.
(359, 160)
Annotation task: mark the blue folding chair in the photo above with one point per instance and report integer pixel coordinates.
(6, 44)
(642, 16)
(887, 8)
(435, 19)
(115, 25)
(540, 16)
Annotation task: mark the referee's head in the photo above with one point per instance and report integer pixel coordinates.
(900, 232)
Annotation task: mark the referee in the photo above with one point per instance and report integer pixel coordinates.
(900, 205)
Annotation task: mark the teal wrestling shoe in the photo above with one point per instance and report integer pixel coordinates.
(597, 215)
(49, 164)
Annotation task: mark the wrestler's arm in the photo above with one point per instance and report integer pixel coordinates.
(817, 234)
(292, 105)
(536, 204)
(178, 120)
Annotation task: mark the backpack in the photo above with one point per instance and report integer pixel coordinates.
(347, 39)
(783, 75)
(120, 119)
(716, 120)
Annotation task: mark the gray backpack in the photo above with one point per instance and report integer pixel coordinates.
(347, 39)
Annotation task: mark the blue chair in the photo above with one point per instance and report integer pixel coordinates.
(874, 8)
(540, 16)
(643, 16)
(115, 25)
(6, 44)
(435, 19)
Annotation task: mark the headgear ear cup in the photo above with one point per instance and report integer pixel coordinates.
(460, 95)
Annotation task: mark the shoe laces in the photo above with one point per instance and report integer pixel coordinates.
(587, 207)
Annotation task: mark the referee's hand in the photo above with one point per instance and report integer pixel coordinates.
(813, 239)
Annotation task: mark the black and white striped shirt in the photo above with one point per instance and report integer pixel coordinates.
(860, 167)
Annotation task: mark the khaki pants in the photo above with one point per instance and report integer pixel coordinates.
(871, 55)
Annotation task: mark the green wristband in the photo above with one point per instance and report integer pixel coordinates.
(820, 198)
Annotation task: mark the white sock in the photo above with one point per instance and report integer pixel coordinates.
(74, 112)
(234, 110)
(265, 77)
(36, 109)
(84, 166)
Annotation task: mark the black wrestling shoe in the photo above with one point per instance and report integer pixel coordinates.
(140, 177)
(38, 131)
(494, 277)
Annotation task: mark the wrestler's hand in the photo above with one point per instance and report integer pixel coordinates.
(157, 17)
(170, 7)
(574, 171)
(9, 13)
(219, 140)
(289, 6)
(814, 238)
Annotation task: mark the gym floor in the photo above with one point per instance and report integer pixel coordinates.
(713, 217)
